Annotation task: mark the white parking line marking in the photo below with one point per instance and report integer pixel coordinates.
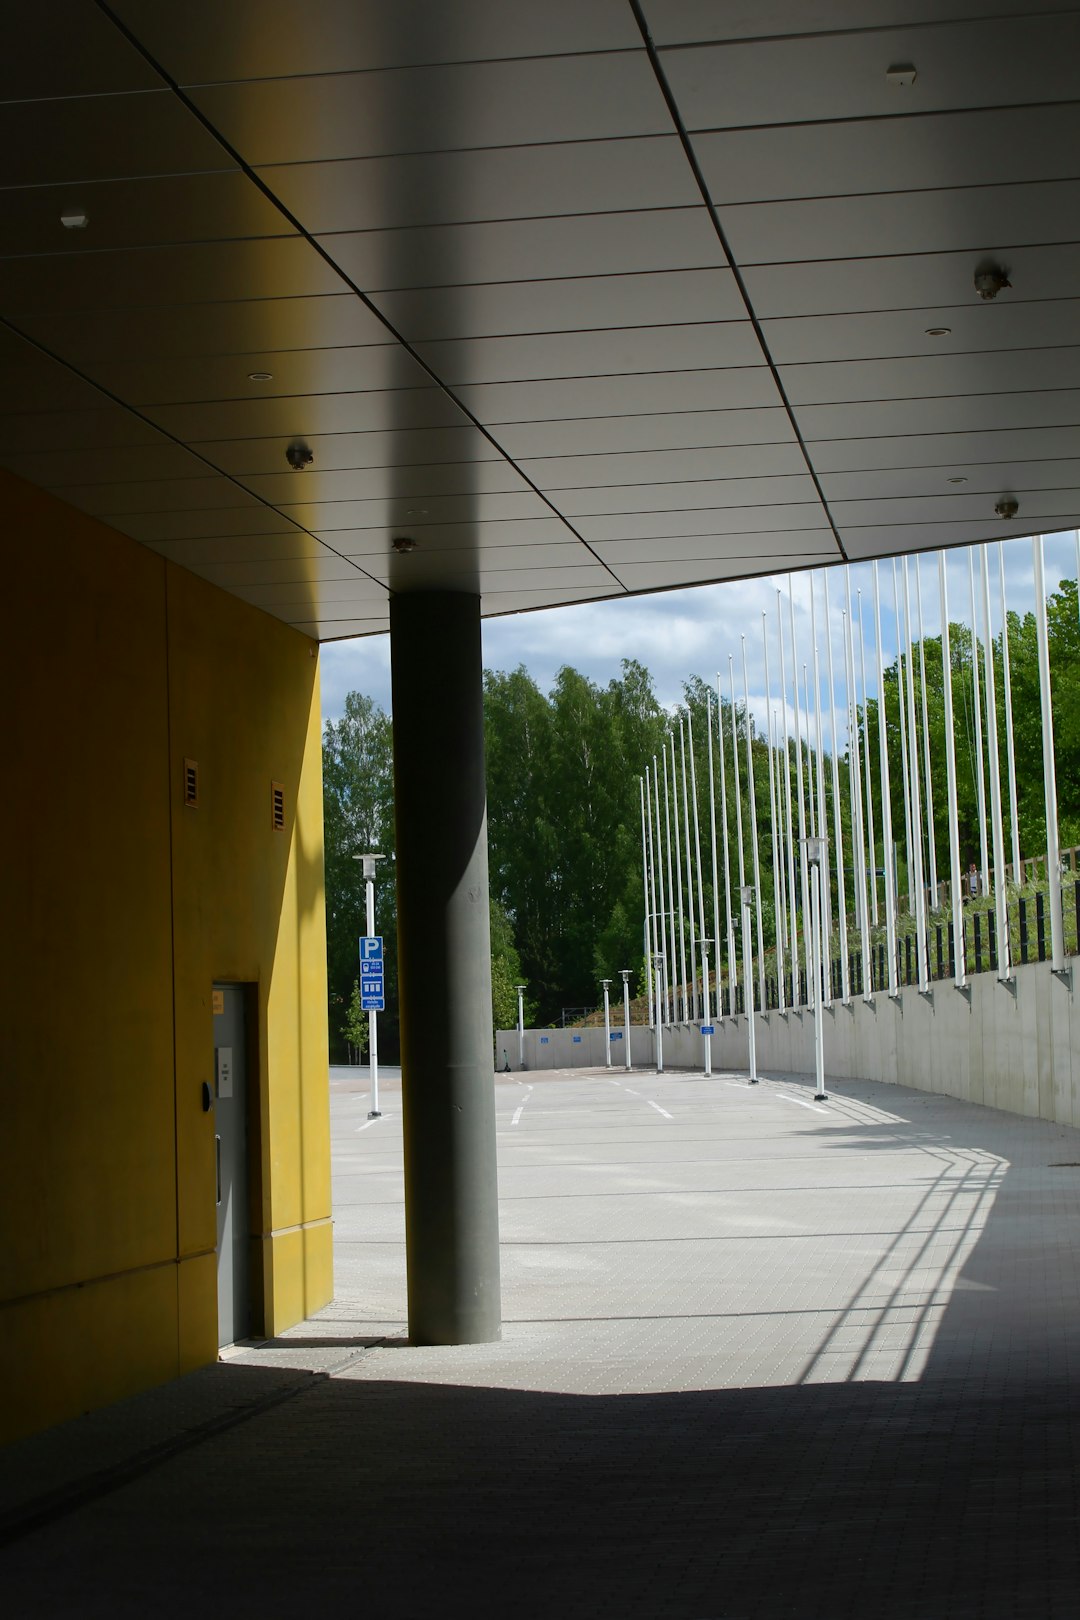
(368, 1126)
(517, 1115)
(660, 1110)
(783, 1097)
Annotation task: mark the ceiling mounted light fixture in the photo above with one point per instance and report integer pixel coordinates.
(990, 279)
(299, 455)
(957, 480)
(938, 331)
(260, 376)
(403, 545)
(1007, 507)
(74, 219)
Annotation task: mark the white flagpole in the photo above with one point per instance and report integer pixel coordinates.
(916, 851)
(697, 852)
(793, 915)
(1001, 893)
(871, 832)
(665, 956)
(980, 786)
(931, 838)
(886, 801)
(733, 973)
(777, 831)
(1014, 819)
(826, 879)
(654, 856)
(956, 880)
(838, 824)
(753, 828)
(738, 774)
(858, 847)
(804, 875)
(678, 877)
(905, 765)
(1053, 847)
(689, 877)
(715, 869)
(648, 920)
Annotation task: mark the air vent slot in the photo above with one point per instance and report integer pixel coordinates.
(191, 784)
(277, 806)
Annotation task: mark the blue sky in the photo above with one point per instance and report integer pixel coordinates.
(693, 632)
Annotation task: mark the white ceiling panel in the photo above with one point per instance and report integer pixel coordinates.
(889, 333)
(979, 479)
(67, 49)
(495, 603)
(674, 430)
(404, 447)
(358, 594)
(588, 574)
(696, 347)
(306, 414)
(375, 366)
(167, 495)
(516, 182)
(647, 394)
(1037, 506)
(415, 515)
(566, 304)
(527, 249)
(981, 62)
(470, 537)
(667, 575)
(576, 473)
(883, 540)
(916, 282)
(457, 478)
(111, 427)
(57, 469)
(264, 39)
(928, 375)
(994, 147)
(901, 222)
(964, 413)
(948, 451)
(685, 496)
(332, 629)
(208, 523)
(716, 520)
(103, 137)
(459, 106)
(255, 556)
(729, 549)
(320, 565)
(690, 22)
(252, 326)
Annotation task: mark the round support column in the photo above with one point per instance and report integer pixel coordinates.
(444, 969)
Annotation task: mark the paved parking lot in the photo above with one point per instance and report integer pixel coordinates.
(762, 1358)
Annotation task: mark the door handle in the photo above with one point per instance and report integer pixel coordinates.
(207, 1096)
(217, 1154)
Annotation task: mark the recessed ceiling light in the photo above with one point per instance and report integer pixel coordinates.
(403, 544)
(938, 331)
(957, 480)
(260, 376)
(74, 219)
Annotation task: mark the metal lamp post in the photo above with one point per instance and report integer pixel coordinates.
(520, 988)
(369, 861)
(607, 1023)
(815, 854)
(625, 973)
(659, 962)
(746, 893)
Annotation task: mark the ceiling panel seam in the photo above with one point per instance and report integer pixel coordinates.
(691, 158)
(298, 226)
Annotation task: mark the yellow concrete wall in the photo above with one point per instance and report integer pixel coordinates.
(120, 908)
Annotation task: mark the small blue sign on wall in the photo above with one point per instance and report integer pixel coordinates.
(544, 1040)
(576, 1040)
(707, 1029)
(616, 1034)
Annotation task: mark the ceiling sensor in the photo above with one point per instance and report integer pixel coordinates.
(299, 456)
(957, 480)
(938, 331)
(403, 545)
(901, 73)
(1007, 507)
(74, 219)
(260, 376)
(990, 279)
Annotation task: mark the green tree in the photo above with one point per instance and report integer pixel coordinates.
(355, 1027)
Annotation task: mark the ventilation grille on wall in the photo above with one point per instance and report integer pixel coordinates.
(191, 783)
(277, 806)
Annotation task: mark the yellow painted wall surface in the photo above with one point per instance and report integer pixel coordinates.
(121, 907)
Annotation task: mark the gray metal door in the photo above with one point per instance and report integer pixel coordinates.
(230, 1144)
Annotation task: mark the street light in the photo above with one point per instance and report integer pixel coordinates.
(625, 972)
(607, 1024)
(520, 988)
(816, 853)
(747, 894)
(659, 1026)
(707, 1022)
(369, 861)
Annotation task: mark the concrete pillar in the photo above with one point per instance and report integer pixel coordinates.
(444, 969)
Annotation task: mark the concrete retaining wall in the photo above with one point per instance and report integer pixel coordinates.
(1016, 1049)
